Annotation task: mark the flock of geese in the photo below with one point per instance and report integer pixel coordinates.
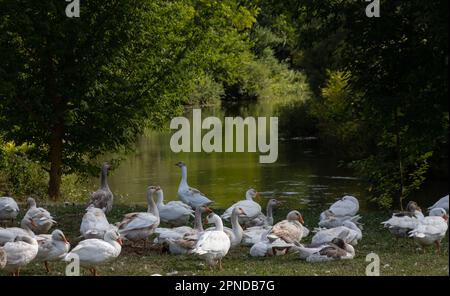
(336, 237)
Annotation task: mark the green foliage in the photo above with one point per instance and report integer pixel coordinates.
(77, 93)
(205, 91)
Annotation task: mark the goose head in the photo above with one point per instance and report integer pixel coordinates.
(295, 216)
(412, 207)
(439, 212)
(274, 202)
(239, 211)
(106, 166)
(152, 189)
(31, 203)
(180, 164)
(113, 236)
(212, 218)
(351, 199)
(251, 194)
(338, 242)
(58, 235)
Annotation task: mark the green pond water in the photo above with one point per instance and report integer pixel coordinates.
(301, 176)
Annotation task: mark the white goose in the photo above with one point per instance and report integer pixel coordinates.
(37, 219)
(52, 247)
(346, 206)
(140, 225)
(442, 203)
(349, 232)
(255, 234)
(175, 213)
(431, 229)
(400, 224)
(251, 208)
(330, 220)
(290, 230)
(10, 234)
(94, 223)
(103, 198)
(190, 196)
(213, 245)
(180, 232)
(236, 232)
(8, 209)
(94, 252)
(337, 249)
(19, 253)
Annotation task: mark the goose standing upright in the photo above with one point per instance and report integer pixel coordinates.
(8, 209)
(93, 252)
(52, 247)
(190, 196)
(37, 219)
(213, 245)
(103, 198)
(19, 253)
(251, 208)
(140, 225)
(431, 229)
(175, 213)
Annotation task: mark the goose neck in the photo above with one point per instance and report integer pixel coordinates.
(198, 219)
(237, 228)
(183, 176)
(104, 178)
(218, 223)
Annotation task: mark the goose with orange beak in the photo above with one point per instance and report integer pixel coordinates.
(290, 230)
(213, 245)
(52, 247)
(94, 252)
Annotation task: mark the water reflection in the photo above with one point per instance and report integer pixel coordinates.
(300, 176)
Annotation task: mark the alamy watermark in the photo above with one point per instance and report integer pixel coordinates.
(373, 268)
(212, 141)
(373, 9)
(73, 8)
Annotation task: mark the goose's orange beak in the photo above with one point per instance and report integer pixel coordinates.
(205, 221)
(300, 219)
(120, 241)
(33, 223)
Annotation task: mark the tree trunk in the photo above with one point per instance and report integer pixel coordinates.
(55, 155)
(398, 145)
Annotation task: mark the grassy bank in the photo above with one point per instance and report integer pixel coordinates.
(398, 257)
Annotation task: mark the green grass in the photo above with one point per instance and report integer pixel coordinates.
(397, 257)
